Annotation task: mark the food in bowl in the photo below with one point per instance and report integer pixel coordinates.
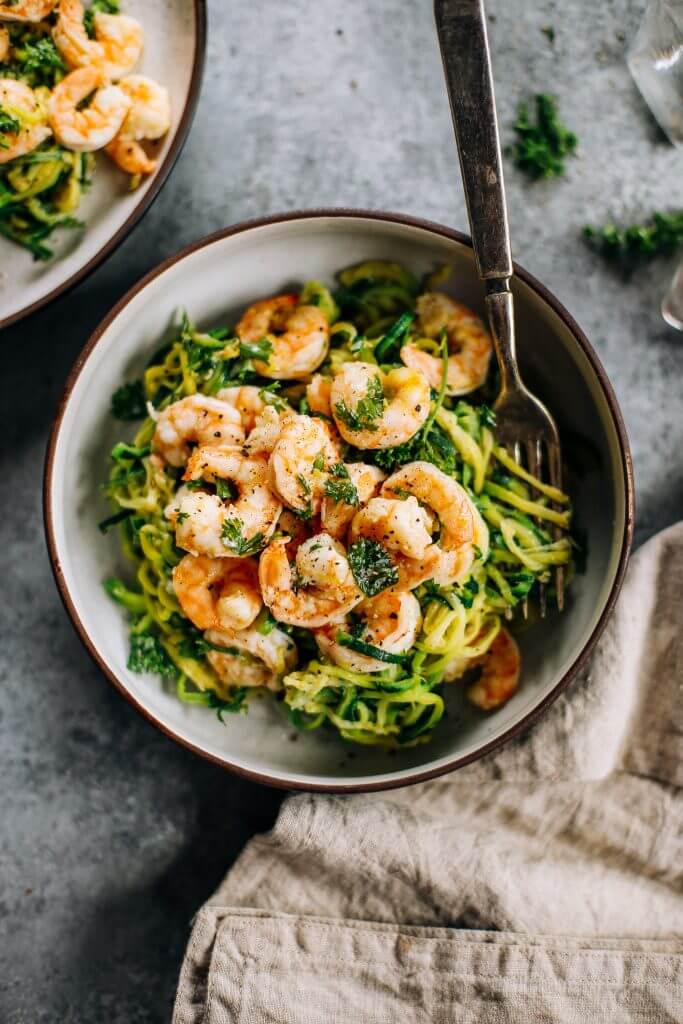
(67, 91)
(313, 509)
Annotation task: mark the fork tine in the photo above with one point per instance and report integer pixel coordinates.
(534, 458)
(517, 455)
(555, 473)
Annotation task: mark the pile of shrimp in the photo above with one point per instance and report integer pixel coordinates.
(265, 530)
(100, 103)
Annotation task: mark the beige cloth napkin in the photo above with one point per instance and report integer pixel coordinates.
(541, 884)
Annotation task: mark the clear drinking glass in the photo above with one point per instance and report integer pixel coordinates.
(655, 60)
(672, 304)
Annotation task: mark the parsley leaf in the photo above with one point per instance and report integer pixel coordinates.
(368, 409)
(340, 487)
(630, 247)
(268, 394)
(372, 568)
(128, 401)
(541, 148)
(9, 125)
(234, 541)
(225, 489)
(148, 655)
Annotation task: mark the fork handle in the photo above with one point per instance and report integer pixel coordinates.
(461, 27)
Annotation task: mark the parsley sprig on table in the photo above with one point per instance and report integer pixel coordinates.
(542, 146)
(632, 246)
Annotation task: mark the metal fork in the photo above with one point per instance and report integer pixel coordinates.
(524, 425)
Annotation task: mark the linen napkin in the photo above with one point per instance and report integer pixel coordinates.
(543, 883)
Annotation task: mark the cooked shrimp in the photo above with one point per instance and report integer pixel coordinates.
(197, 419)
(469, 344)
(299, 336)
(21, 101)
(392, 619)
(26, 10)
(114, 51)
(303, 451)
(453, 508)
(149, 117)
(248, 403)
(499, 678)
(294, 529)
(4, 44)
(404, 529)
(318, 394)
(92, 127)
(402, 526)
(207, 525)
(373, 409)
(251, 658)
(266, 432)
(335, 516)
(218, 593)
(321, 590)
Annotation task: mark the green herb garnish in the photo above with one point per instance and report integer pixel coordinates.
(128, 401)
(340, 487)
(541, 147)
(372, 568)
(632, 246)
(148, 655)
(368, 409)
(234, 540)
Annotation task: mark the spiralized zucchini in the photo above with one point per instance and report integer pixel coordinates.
(371, 316)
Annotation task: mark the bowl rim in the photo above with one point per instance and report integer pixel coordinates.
(418, 774)
(162, 173)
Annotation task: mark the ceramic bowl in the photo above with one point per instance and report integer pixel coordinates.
(214, 280)
(175, 32)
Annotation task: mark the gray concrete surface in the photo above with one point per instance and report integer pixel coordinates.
(110, 836)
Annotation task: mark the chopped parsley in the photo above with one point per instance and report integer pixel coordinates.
(629, 247)
(9, 125)
(225, 489)
(319, 462)
(542, 146)
(268, 394)
(368, 409)
(41, 62)
(128, 401)
(372, 568)
(181, 517)
(148, 655)
(340, 487)
(236, 542)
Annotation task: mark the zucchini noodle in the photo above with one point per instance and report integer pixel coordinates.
(371, 316)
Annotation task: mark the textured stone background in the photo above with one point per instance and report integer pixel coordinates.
(110, 836)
